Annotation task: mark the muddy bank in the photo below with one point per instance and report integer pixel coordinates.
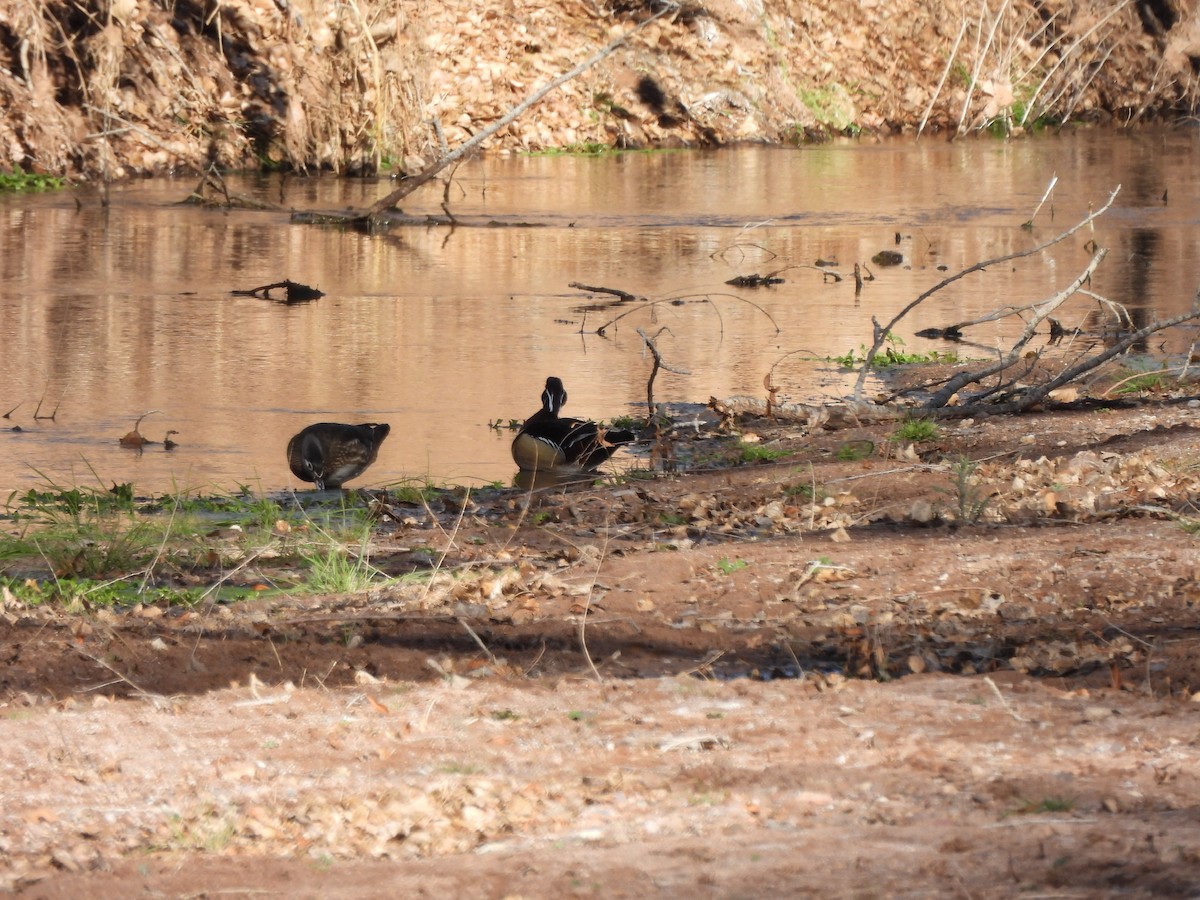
(822, 676)
(112, 90)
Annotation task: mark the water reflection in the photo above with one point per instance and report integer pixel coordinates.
(548, 479)
(107, 312)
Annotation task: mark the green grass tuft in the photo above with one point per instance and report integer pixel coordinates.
(756, 453)
(18, 181)
(916, 430)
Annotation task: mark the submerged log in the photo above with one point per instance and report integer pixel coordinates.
(294, 292)
(755, 280)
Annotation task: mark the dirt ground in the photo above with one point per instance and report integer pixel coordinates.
(864, 668)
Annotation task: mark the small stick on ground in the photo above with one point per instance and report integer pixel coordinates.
(121, 676)
(587, 606)
(537, 659)
(1003, 701)
(772, 390)
(476, 638)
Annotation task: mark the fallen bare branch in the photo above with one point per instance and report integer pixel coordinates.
(429, 172)
(881, 332)
(594, 289)
(1041, 311)
(1031, 396)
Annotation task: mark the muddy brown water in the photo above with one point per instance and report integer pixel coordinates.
(107, 312)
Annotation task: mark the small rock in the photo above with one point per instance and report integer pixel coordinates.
(921, 512)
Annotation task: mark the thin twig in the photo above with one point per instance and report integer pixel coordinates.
(120, 676)
(1163, 371)
(1042, 202)
(476, 638)
(707, 298)
(658, 364)
(945, 73)
(462, 511)
(979, 58)
(587, 605)
(1004, 702)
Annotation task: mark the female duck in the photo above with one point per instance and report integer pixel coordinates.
(329, 454)
(547, 442)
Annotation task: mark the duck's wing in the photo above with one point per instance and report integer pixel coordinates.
(555, 443)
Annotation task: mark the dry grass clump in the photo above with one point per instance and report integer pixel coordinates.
(111, 89)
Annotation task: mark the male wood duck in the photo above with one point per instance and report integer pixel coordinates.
(329, 454)
(547, 442)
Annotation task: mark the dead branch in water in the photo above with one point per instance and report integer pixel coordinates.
(1013, 396)
(371, 215)
(1028, 226)
(1040, 313)
(882, 332)
(294, 292)
(1027, 397)
(679, 301)
(658, 364)
(1020, 387)
(622, 296)
(211, 190)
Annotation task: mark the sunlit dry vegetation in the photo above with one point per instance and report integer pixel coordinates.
(389, 85)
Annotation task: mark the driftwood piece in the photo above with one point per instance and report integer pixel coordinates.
(840, 414)
(755, 280)
(621, 295)
(294, 292)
